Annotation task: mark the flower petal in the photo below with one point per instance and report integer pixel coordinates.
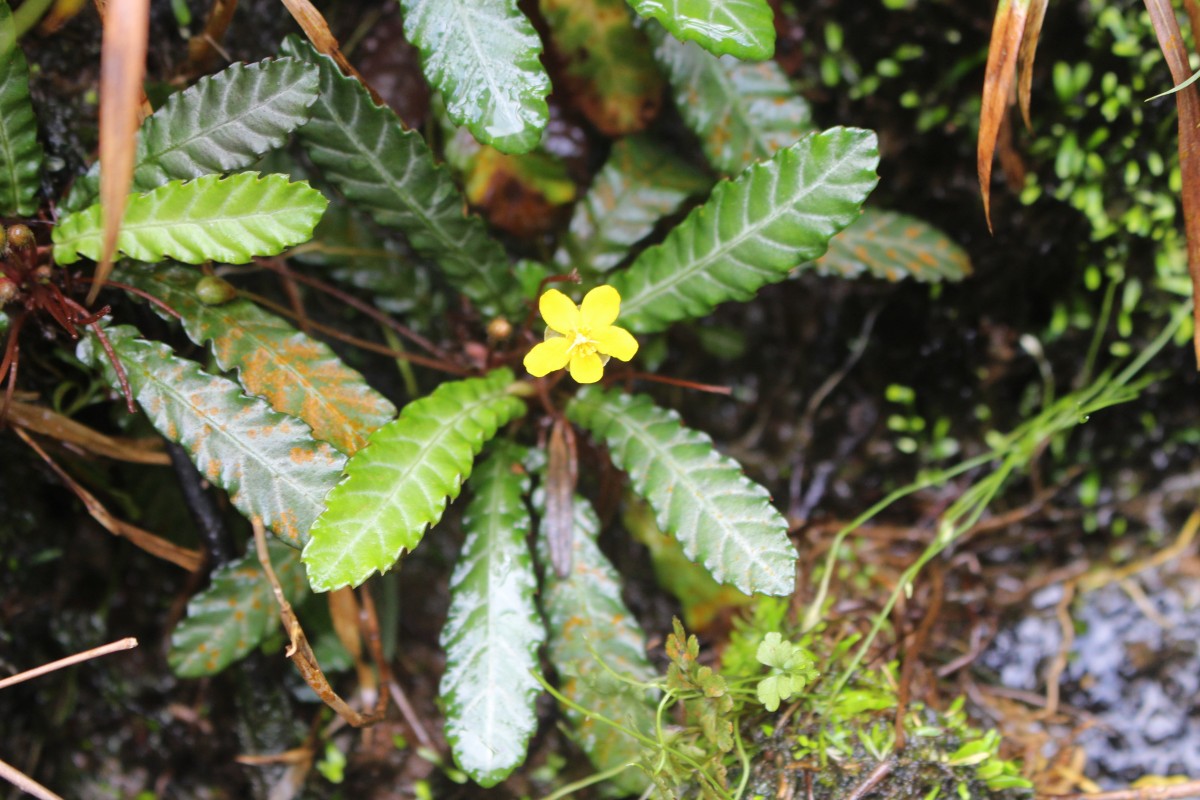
(616, 342)
(586, 368)
(600, 307)
(548, 356)
(559, 311)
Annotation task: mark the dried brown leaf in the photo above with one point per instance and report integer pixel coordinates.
(1027, 53)
(122, 68)
(1007, 31)
(1170, 40)
(562, 473)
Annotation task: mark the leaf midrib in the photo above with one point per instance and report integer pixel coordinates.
(705, 263)
(665, 455)
(221, 430)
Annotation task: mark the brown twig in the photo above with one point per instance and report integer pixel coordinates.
(686, 384)
(912, 652)
(872, 780)
(299, 650)
(25, 783)
(40, 419)
(127, 643)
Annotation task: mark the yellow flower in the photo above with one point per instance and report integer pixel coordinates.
(582, 337)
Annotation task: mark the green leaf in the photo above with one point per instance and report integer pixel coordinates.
(482, 55)
(593, 635)
(235, 613)
(297, 374)
(391, 173)
(724, 520)
(741, 112)
(493, 629)
(212, 218)
(739, 28)
(398, 485)
(642, 182)
(608, 70)
(20, 152)
(268, 462)
(224, 122)
(894, 246)
(752, 231)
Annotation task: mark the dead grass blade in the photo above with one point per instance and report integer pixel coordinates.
(189, 560)
(122, 68)
(25, 783)
(40, 419)
(204, 47)
(317, 30)
(1170, 40)
(1007, 31)
(128, 643)
(1026, 55)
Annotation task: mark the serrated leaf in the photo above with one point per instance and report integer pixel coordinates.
(608, 70)
(894, 246)
(641, 183)
(752, 231)
(235, 613)
(391, 173)
(224, 122)
(739, 28)
(269, 462)
(724, 520)
(493, 630)
(297, 374)
(398, 485)
(591, 633)
(742, 112)
(212, 218)
(20, 152)
(482, 55)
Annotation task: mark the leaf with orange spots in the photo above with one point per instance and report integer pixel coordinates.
(593, 635)
(235, 613)
(398, 485)
(642, 182)
(493, 631)
(269, 462)
(724, 520)
(608, 70)
(894, 246)
(742, 112)
(295, 373)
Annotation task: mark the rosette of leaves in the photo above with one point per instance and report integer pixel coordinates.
(303, 443)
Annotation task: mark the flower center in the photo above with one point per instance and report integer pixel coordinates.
(583, 343)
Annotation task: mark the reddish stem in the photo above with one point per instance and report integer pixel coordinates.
(122, 378)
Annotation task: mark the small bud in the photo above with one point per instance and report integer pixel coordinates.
(19, 236)
(8, 291)
(42, 273)
(499, 329)
(214, 291)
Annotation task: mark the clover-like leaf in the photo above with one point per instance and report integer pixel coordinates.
(482, 55)
(212, 218)
(739, 28)
(724, 520)
(753, 230)
(592, 636)
(398, 485)
(222, 123)
(894, 246)
(364, 150)
(742, 112)
(791, 670)
(642, 182)
(493, 629)
(235, 613)
(20, 152)
(269, 462)
(294, 372)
